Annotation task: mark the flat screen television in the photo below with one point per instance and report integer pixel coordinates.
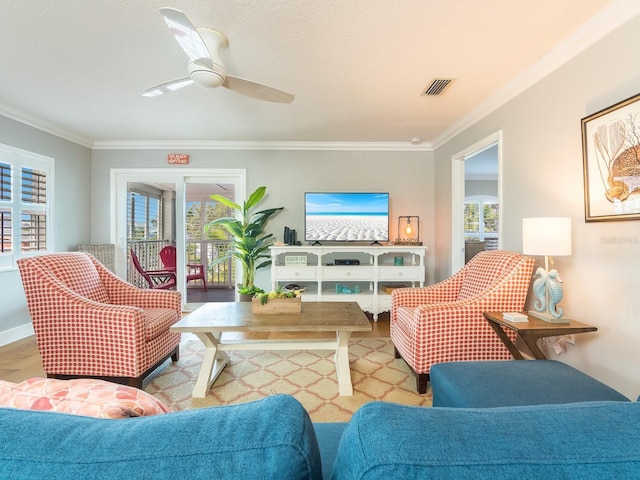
(346, 217)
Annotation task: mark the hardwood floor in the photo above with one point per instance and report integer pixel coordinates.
(21, 360)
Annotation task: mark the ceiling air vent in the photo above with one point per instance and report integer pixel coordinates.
(437, 86)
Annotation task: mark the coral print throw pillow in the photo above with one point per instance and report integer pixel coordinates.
(84, 396)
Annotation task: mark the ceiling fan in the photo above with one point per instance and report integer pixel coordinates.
(206, 69)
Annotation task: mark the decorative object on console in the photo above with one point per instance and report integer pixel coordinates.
(347, 290)
(548, 236)
(388, 289)
(289, 236)
(409, 234)
(290, 260)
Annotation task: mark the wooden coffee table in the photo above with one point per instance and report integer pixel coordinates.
(210, 320)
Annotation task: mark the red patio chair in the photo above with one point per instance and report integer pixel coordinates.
(195, 271)
(157, 279)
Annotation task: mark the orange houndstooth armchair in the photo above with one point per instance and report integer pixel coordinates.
(90, 323)
(444, 322)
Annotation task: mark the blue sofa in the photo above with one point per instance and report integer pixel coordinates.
(275, 439)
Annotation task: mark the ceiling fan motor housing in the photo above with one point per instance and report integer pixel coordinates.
(210, 72)
(205, 77)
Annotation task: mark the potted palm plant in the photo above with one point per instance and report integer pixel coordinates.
(250, 242)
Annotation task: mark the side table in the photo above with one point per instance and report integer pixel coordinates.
(531, 330)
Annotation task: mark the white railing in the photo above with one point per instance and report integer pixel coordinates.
(203, 252)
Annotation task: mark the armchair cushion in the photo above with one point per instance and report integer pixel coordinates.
(487, 268)
(79, 274)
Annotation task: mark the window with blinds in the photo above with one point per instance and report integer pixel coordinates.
(144, 216)
(6, 226)
(25, 204)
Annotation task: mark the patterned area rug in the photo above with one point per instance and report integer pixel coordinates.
(309, 376)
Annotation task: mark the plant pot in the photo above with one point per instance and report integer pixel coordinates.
(245, 297)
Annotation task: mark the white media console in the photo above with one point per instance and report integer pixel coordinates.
(380, 269)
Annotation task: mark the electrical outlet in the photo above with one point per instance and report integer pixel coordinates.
(571, 339)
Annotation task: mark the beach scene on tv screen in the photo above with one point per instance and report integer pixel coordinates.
(347, 216)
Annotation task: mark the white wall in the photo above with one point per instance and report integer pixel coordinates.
(71, 213)
(543, 176)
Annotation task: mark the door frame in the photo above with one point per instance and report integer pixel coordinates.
(121, 177)
(458, 191)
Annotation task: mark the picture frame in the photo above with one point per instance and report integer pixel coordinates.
(611, 162)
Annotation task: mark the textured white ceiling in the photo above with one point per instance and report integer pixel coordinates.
(357, 67)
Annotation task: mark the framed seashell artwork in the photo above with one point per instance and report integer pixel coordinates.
(611, 162)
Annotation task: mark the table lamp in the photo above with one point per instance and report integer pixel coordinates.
(411, 230)
(548, 236)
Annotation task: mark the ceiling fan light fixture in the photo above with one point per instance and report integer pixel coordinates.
(207, 78)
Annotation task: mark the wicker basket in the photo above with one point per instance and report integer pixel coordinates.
(104, 253)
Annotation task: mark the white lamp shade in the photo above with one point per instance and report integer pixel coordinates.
(549, 236)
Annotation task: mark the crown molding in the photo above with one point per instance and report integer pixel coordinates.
(241, 145)
(591, 32)
(45, 126)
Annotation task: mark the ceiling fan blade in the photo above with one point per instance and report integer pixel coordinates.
(167, 87)
(185, 33)
(256, 90)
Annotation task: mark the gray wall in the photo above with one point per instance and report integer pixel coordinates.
(481, 187)
(407, 176)
(542, 176)
(72, 174)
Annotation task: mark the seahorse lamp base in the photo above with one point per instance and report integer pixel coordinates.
(548, 318)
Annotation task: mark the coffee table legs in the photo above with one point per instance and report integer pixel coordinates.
(212, 364)
(341, 358)
(215, 359)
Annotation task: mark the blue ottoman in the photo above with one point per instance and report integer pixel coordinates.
(514, 382)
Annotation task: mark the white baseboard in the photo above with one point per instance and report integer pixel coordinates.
(15, 334)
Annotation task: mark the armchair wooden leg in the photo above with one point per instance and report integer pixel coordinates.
(422, 380)
(175, 355)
